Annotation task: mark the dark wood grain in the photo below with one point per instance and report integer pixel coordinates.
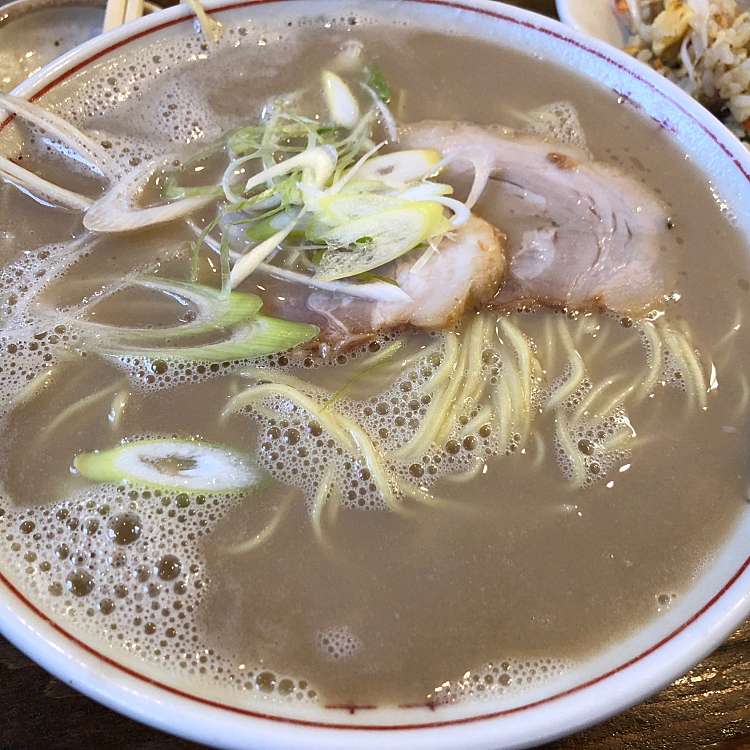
(707, 708)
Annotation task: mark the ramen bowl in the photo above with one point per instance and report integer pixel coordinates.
(589, 691)
(34, 32)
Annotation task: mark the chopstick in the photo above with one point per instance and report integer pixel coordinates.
(114, 14)
(119, 12)
(133, 10)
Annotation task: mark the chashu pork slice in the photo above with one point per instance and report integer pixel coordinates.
(465, 274)
(580, 233)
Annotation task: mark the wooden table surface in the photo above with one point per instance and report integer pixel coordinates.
(707, 708)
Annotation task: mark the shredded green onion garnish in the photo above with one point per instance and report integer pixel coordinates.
(320, 190)
(377, 82)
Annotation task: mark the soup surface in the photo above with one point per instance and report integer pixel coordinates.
(29, 41)
(541, 525)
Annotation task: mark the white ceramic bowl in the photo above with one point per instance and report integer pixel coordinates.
(624, 674)
(34, 32)
(593, 17)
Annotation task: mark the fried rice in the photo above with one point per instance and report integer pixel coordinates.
(701, 45)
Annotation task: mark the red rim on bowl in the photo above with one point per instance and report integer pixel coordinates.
(548, 28)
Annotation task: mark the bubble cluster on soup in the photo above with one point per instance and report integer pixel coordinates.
(328, 376)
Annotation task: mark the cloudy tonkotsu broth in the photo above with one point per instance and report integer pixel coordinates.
(546, 520)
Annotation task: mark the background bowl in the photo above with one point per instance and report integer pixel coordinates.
(593, 690)
(593, 17)
(35, 32)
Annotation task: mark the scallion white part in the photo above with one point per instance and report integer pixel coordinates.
(342, 105)
(343, 181)
(401, 167)
(426, 191)
(317, 165)
(378, 291)
(40, 189)
(91, 152)
(481, 161)
(350, 58)
(461, 214)
(253, 258)
(386, 116)
(115, 210)
(229, 173)
(180, 465)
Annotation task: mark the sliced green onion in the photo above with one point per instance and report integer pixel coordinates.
(252, 259)
(284, 193)
(245, 140)
(377, 82)
(195, 246)
(41, 189)
(214, 311)
(378, 291)
(341, 180)
(261, 230)
(390, 234)
(461, 214)
(264, 335)
(386, 116)
(230, 173)
(369, 276)
(349, 59)
(115, 210)
(378, 288)
(426, 191)
(92, 152)
(225, 266)
(183, 465)
(401, 167)
(340, 101)
(317, 164)
(172, 191)
(340, 208)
